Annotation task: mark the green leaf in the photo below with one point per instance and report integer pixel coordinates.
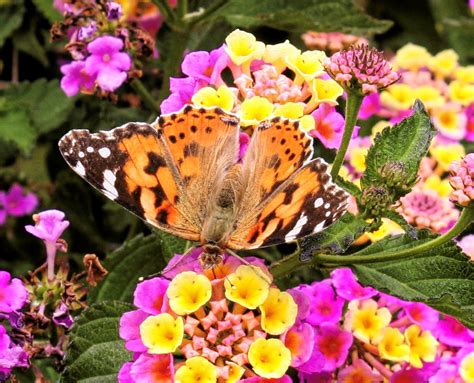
(303, 15)
(336, 238)
(16, 127)
(404, 144)
(26, 41)
(442, 277)
(47, 9)
(139, 257)
(28, 110)
(96, 352)
(11, 17)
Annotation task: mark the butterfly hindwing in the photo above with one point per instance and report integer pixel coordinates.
(303, 202)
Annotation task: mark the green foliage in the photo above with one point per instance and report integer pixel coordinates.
(47, 9)
(336, 238)
(11, 16)
(394, 158)
(25, 40)
(441, 277)
(96, 352)
(29, 109)
(300, 16)
(139, 257)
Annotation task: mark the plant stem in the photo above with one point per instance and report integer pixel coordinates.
(214, 7)
(165, 10)
(354, 101)
(182, 8)
(292, 262)
(145, 95)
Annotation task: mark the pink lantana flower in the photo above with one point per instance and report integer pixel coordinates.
(206, 66)
(452, 332)
(467, 245)
(358, 371)
(182, 91)
(76, 79)
(334, 344)
(107, 63)
(130, 330)
(49, 226)
(462, 180)
(329, 126)
(347, 287)
(153, 368)
(326, 307)
(370, 106)
(13, 293)
(150, 296)
(16, 203)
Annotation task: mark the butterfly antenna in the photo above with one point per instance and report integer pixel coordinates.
(168, 269)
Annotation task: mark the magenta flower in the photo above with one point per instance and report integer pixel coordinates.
(300, 341)
(258, 379)
(462, 180)
(358, 371)
(49, 226)
(152, 368)
(427, 209)
(453, 333)
(124, 373)
(469, 111)
(150, 296)
(467, 245)
(347, 287)
(361, 68)
(206, 67)
(62, 317)
(129, 330)
(422, 315)
(334, 344)
(370, 106)
(244, 143)
(182, 90)
(107, 63)
(11, 355)
(407, 375)
(326, 306)
(16, 203)
(13, 293)
(114, 10)
(319, 377)
(329, 126)
(76, 79)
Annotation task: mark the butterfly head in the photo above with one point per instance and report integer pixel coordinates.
(211, 256)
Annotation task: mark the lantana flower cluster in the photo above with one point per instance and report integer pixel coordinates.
(16, 202)
(226, 325)
(106, 42)
(232, 325)
(266, 81)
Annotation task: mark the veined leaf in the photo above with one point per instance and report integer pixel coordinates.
(95, 352)
(303, 15)
(442, 277)
(404, 144)
(139, 257)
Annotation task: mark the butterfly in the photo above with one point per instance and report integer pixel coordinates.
(181, 174)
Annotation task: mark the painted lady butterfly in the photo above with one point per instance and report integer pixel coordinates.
(181, 175)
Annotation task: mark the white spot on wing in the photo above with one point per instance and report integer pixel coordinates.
(326, 205)
(293, 233)
(81, 154)
(319, 227)
(104, 152)
(319, 202)
(109, 185)
(79, 169)
(328, 213)
(90, 149)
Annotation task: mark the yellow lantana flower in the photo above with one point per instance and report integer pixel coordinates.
(307, 123)
(423, 345)
(357, 158)
(278, 312)
(430, 96)
(444, 63)
(392, 345)
(307, 65)
(293, 110)
(242, 47)
(462, 93)
(209, 97)
(162, 333)
(398, 96)
(269, 358)
(466, 368)
(255, 110)
(434, 182)
(247, 286)
(196, 370)
(412, 57)
(366, 320)
(188, 291)
(445, 154)
(277, 54)
(465, 74)
(235, 372)
(327, 91)
(388, 227)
